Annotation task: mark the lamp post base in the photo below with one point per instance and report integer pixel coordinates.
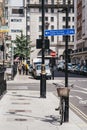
(43, 86)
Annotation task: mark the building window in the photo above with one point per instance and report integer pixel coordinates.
(40, 28)
(64, 26)
(64, 19)
(69, 18)
(52, 1)
(46, 1)
(16, 20)
(52, 10)
(40, 10)
(52, 38)
(52, 26)
(17, 11)
(28, 28)
(72, 38)
(72, 10)
(52, 19)
(46, 18)
(40, 1)
(73, 19)
(28, 37)
(28, 1)
(69, 39)
(73, 26)
(28, 18)
(46, 10)
(64, 38)
(40, 36)
(40, 19)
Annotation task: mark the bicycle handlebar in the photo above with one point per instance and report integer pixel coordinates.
(61, 85)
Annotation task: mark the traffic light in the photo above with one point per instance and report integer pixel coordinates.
(39, 43)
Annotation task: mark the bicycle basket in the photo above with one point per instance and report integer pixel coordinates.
(63, 92)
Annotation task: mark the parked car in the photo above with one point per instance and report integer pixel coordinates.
(30, 68)
(77, 69)
(60, 66)
(37, 71)
(73, 69)
(70, 66)
(83, 70)
(48, 72)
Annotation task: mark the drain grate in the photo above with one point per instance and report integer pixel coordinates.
(14, 92)
(19, 95)
(15, 111)
(12, 112)
(20, 119)
(15, 103)
(19, 99)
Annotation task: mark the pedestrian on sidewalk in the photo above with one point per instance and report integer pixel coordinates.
(23, 68)
(19, 68)
(27, 69)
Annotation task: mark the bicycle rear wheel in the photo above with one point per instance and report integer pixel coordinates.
(62, 109)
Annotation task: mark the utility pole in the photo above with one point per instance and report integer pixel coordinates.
(43, 73)
(65, 6)
(66, 114)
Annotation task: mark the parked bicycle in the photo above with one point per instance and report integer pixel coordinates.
(62, 92)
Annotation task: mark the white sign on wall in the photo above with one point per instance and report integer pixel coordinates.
(16, 2)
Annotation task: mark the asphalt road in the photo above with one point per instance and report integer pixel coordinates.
(78, 95)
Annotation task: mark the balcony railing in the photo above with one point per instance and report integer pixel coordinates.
(79, 50)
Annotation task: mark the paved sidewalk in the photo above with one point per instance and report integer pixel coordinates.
(25, 110)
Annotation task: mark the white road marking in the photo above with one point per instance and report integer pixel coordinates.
(80, 91)
(78, 97)
(81, 87)
(84, 102)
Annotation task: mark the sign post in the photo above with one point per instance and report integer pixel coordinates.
(65, 32)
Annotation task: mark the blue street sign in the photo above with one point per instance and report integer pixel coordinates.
(59, 32)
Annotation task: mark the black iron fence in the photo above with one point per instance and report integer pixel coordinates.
(3, 84)
(79, 50)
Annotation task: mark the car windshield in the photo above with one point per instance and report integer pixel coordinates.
(38, 67)
(47, 67)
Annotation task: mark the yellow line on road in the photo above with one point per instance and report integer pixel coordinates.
(78, 111)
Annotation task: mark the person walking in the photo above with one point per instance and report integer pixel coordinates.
(23, 68)
(27, 69)
(19, 68)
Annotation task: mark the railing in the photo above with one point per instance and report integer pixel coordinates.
(79, 50)
(3, 84)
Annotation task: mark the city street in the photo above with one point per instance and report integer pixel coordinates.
(78, 94)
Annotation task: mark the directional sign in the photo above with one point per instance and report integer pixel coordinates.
(59, 32)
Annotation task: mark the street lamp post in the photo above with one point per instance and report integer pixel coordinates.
(65, 8)
(43, 73)
(66, 114)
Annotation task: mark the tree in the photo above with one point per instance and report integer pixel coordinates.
(22, 49)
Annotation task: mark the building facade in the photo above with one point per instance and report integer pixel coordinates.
(33, 23)
(80, 49)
